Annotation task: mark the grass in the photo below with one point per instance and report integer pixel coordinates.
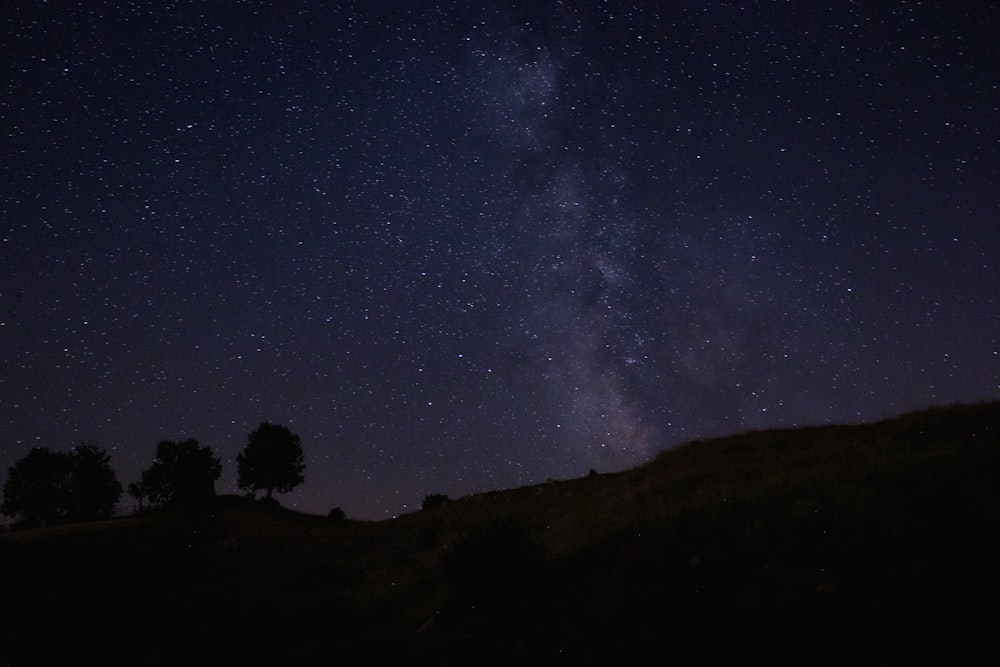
(822, 539)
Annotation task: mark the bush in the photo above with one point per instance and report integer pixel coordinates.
(434, 500)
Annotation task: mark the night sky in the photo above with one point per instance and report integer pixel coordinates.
(467, 246)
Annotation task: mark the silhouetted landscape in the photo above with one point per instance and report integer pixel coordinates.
(830, 539)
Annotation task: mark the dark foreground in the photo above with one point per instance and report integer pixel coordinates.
(807, 545)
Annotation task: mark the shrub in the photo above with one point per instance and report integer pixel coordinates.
(434, 500)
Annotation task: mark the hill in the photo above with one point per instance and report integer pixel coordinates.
(881, 537)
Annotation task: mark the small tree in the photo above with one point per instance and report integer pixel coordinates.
(183, 473)
(272, 460)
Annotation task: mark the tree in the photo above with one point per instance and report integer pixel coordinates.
(59, 487)
(37, 488)
(272, 460)
(138, 491)
(95, 487)
(183, 473)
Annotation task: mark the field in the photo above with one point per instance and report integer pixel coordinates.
(799, 544)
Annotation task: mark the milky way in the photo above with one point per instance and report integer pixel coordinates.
(461, 248)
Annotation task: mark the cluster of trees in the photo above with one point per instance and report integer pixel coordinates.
(183, 473)
(61, 487)
(46, 487)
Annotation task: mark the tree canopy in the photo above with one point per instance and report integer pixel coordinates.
(183, 473)
(272, 460)
(61, 487)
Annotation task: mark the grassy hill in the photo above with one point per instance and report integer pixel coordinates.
(829, 540)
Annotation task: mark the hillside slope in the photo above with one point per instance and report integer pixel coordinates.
(882, 536)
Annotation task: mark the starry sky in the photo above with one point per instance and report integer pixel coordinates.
(466, 246)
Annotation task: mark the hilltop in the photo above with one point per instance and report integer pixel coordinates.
(882, 536)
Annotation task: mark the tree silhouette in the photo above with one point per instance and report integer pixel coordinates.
(37, 487)
(272, 460)
(183, 473)
(59, 487)
(138, 491)
(95, 487)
